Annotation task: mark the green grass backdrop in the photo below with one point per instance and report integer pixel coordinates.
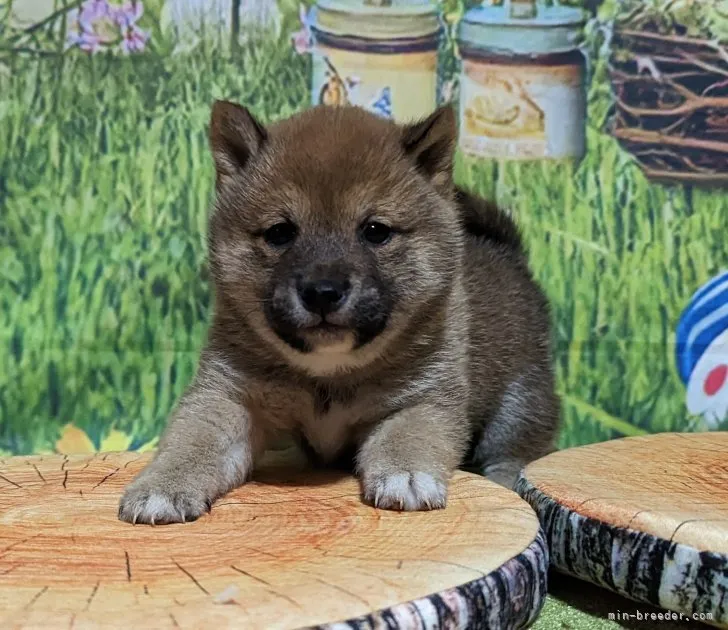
(105, 184)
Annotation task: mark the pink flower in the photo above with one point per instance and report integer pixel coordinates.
(133, 39)
(85, 31)
(96, 22)
(92, 11)
(98, 25)
(303, 39)
(128, 14)
(88, 42)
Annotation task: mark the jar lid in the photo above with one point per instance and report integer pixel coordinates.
(551, 29)
(400, 19)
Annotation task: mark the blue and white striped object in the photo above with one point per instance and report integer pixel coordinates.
(382, 105)
(704, 319)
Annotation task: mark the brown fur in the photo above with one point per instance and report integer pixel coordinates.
(441, 355)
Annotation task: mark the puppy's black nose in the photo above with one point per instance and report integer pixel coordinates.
(323, 296)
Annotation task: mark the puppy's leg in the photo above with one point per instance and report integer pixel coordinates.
(405, 462)
(208, 449)
(522, 429)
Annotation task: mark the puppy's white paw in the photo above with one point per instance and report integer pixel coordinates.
(405, 491)
(159, 501)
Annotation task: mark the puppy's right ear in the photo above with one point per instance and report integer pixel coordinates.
(235, 137)
(430, 143)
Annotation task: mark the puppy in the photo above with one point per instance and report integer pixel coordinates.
(362, 304)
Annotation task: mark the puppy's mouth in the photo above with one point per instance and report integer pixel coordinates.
(325, 332)
(325, 327)
(319, 334)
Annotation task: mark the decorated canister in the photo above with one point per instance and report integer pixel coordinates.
(522, 92)
(378, 55)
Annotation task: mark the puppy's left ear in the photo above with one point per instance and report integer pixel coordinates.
(431, 143)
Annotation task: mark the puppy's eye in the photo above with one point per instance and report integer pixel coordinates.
(376, 233)
(280, 234)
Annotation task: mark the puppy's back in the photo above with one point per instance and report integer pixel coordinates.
(485, 221)
(511, 378)
(509, 313)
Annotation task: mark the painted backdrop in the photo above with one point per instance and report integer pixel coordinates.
(608, 139)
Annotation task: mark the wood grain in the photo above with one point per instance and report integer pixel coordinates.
(644, 516)
(293, 548)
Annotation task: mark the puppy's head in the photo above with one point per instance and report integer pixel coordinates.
(333, 231)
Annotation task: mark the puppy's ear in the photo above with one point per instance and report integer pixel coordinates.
(235, 138)
(431, 143)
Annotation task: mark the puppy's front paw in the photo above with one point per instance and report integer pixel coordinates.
(157, 499)
(405, 491)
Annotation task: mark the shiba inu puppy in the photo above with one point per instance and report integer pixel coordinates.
(363, 304)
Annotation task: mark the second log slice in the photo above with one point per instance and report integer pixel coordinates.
(646, 517)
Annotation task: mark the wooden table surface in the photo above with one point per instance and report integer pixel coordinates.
(293, 548)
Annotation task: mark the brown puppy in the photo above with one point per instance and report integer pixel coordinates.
(363, 304)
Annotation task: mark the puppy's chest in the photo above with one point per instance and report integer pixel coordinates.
(329, 421)
(335, 422)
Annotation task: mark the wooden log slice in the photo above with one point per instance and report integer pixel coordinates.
(646, 517)
(291, 549)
